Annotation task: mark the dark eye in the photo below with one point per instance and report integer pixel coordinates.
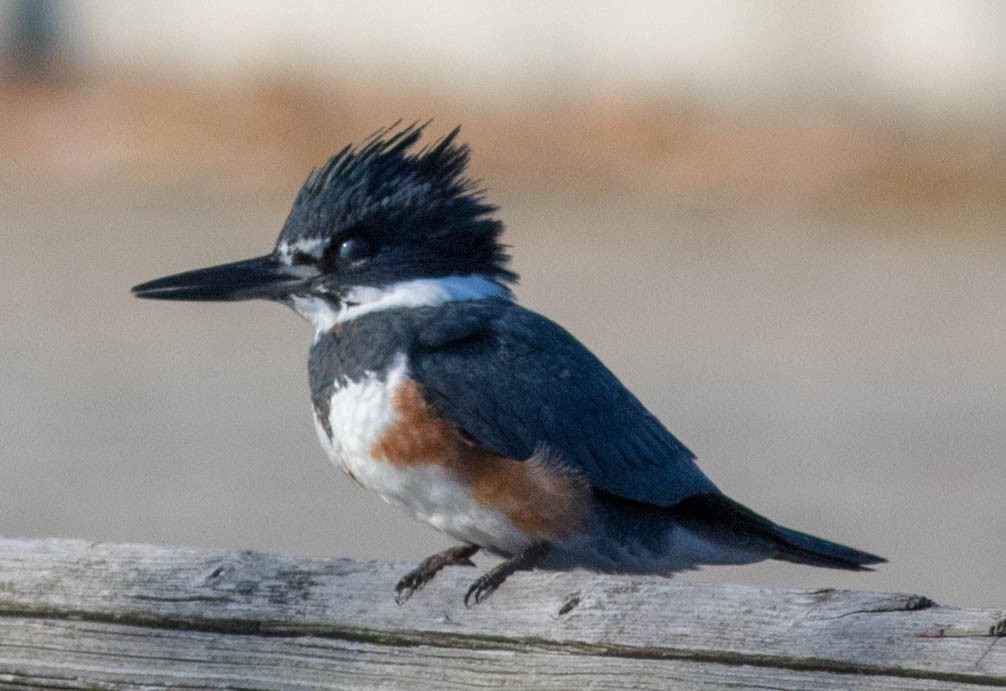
(354, 249)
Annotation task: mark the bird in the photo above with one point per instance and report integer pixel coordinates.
(434, 388)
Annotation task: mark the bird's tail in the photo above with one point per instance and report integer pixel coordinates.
(717, 513)
(801, 548)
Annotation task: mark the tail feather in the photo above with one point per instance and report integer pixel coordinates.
(801, 548)
(722, 515)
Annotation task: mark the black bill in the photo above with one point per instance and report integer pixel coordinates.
(261, 277)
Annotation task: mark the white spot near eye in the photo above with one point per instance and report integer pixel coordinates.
(314, 247)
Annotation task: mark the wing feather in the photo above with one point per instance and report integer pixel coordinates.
(516, 381)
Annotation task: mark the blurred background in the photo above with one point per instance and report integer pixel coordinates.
(783, 224)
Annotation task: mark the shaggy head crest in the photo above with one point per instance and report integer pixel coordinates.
(417, 207)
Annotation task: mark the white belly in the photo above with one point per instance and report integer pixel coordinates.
(359, 414)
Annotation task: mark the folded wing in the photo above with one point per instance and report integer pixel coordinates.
(516, 382)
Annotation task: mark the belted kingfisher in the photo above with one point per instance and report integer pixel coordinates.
(434, 388)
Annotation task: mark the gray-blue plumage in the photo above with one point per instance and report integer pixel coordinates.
(516, 381)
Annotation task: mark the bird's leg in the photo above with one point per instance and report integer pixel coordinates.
(489, 582)
(430, 566)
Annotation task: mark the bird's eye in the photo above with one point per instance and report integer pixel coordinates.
(354, 249)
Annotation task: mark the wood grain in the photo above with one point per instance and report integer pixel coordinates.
(79, 615)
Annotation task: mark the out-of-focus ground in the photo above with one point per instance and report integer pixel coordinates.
(814, 300)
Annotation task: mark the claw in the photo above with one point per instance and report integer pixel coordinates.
(481, 589)
(486, 585)
(406, 587)
(430, 567)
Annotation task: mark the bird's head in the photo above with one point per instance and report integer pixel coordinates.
(378, 225)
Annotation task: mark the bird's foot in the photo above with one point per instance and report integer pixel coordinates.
(486, 584)
(429, 567)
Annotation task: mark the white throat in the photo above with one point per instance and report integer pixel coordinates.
(420, 292)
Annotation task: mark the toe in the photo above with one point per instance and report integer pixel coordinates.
(479, 591)
(410, 583)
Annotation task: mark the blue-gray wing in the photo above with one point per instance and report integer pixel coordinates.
(515, 382)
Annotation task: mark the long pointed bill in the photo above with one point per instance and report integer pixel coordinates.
(261, 277)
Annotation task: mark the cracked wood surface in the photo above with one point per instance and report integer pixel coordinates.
(79, 615)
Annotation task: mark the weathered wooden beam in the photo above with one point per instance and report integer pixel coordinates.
(78, 615)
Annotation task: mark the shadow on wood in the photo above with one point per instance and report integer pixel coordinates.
(78, 615)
